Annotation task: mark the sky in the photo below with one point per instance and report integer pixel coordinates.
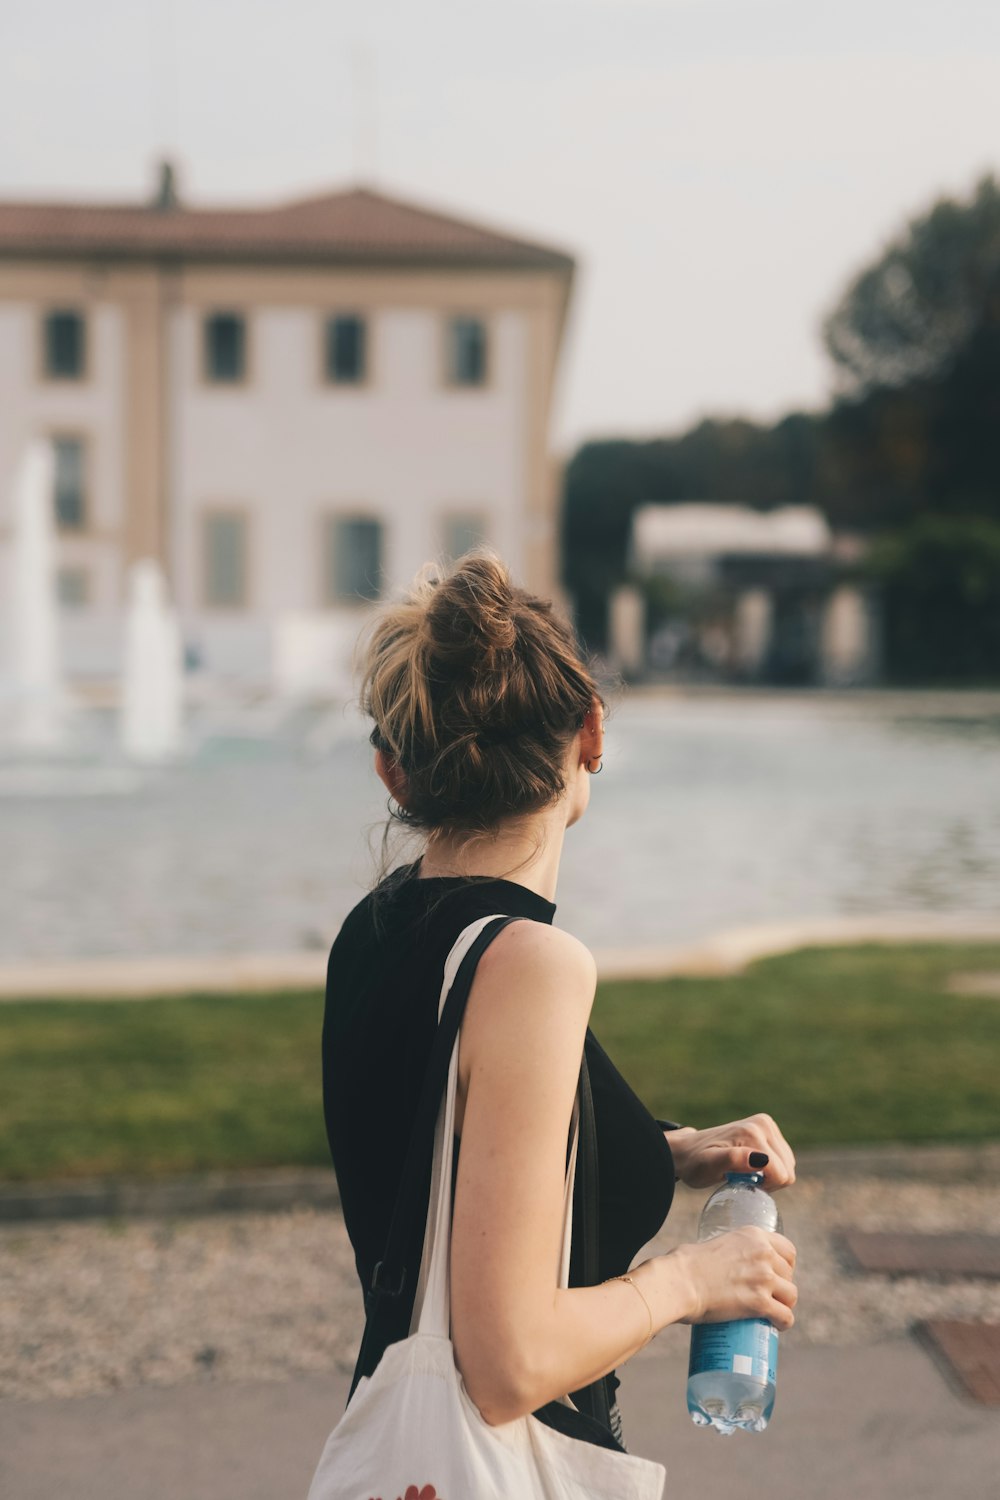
(719, 168)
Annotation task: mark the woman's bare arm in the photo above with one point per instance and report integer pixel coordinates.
(520, 1340)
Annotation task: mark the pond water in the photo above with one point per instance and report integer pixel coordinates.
(713, 810)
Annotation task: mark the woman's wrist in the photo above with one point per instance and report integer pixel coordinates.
(681, 1137)
(633, 1281)
(672, 1288)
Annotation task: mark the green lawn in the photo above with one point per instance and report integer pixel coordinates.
(840, 1045)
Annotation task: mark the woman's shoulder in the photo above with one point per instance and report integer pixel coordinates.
(529, 950)
(533, 988)
(410, 923)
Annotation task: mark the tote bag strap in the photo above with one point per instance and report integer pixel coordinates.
(391, 1276)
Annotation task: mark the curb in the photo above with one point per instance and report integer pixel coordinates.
(977, 1162)
(165, 976)
(265, 1191)
(731, 951)
(274, 1190)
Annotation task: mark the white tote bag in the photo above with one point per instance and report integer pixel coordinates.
(411, 1431)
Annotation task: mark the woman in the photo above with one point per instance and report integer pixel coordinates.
(488, 728)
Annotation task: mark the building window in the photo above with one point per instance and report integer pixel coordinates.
(225, 348)
(225, 560)
(73, 587)
(466, 351)
(65, 345)
(69, 500)
(346, 350)
(461, 533)
(353, 559)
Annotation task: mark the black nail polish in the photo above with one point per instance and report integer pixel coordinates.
(759, 1158)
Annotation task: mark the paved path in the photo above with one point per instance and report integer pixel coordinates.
(726, 952)
(862, 1423)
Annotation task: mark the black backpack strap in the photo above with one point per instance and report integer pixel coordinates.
(391, 1276)
(594, 1399)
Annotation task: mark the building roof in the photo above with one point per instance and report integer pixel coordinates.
(356, 226)
(708, 529)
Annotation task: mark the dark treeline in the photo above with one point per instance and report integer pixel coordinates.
(912, 441)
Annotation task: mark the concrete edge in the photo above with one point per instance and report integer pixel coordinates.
(973, 1162)
(271, 1190)
(728, 952)
(265, 1191)
(149, 978)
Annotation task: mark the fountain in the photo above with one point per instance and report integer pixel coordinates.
(152, 679)
(51, 745)
(37, 697)
(57, 744)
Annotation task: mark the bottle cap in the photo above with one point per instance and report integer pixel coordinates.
(754, 1178)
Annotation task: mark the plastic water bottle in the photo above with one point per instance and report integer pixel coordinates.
(732, 1368)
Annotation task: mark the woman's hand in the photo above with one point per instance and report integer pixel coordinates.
(744, 1273)
(703, 1157)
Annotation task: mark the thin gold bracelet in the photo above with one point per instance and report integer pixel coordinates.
(645, 1304)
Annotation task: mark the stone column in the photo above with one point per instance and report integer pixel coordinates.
(627, 630)
(848, 639)
(753, 620)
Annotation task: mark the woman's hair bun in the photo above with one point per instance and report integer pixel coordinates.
(472, 607)
(476, 688)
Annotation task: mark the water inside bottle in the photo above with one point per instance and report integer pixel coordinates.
(732, 1367)
(737, 1403)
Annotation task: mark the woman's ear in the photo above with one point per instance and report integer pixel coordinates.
(392, 776)
(592, 733)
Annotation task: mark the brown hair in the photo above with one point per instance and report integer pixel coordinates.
(476, 688)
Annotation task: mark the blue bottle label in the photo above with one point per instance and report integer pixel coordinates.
(747, 1347)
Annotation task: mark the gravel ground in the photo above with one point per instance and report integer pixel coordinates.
(93, 1307)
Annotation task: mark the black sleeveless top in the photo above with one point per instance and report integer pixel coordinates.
(384, 978)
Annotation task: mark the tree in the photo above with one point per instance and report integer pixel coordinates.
(604, 483)
(915, 433)
(911, 315)
(940, 585)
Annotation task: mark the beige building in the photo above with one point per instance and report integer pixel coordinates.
(291, 408)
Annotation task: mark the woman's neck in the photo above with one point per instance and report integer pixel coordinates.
(528, 854)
